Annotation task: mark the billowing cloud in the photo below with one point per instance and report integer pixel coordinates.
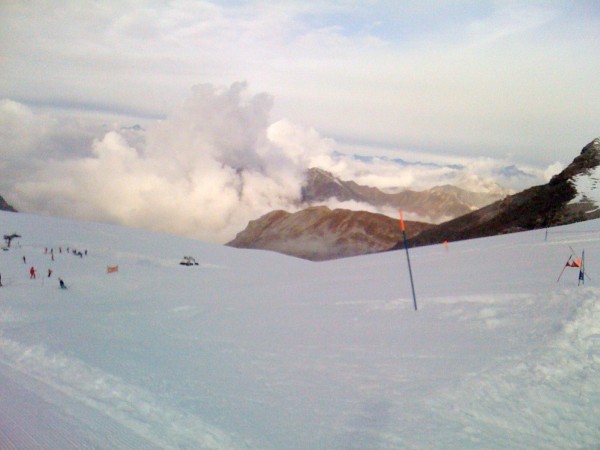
(217, 162)
(203, 172)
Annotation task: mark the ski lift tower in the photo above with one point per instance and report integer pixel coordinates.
(9, 237)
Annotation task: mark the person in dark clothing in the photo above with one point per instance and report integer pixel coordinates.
(62, 283)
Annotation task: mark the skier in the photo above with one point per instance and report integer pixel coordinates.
(49, 273)
(32, 273)
(62, 283)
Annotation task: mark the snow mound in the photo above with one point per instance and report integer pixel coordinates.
(256, 350)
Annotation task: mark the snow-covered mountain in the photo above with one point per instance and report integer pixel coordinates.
(585, 178)
(256, 350)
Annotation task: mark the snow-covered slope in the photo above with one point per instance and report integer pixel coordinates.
(586, 186)
(252, 349)
(585, 182)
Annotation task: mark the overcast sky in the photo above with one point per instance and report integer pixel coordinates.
(470, 77)
(469, 82)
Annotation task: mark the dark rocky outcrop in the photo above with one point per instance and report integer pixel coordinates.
(4, 206)
(541, 206)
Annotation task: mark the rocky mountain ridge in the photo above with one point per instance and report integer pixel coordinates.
(438, 204)
(568, 197)
(319, 233)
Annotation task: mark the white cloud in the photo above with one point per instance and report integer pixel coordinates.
(509, 19)
(552, 170)
(470, 78)
(18, 132)
(216, 163)
(204, 172)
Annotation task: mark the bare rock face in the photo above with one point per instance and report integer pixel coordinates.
(438, 203)
(318, 233)
(569, 197)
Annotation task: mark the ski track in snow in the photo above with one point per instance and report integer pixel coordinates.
(128, 405)
(256, 350)
(34, 416)
(543, 399)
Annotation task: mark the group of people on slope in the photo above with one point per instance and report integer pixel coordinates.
(33, 271)
(61, 283)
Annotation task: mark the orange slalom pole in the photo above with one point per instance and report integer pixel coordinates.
(401, 221)
(412, 284)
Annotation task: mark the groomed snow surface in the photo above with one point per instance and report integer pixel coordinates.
(256, 350)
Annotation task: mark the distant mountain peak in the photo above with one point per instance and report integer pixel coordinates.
(319, 233)
(434, 205)
(592, 148)
(4, 206)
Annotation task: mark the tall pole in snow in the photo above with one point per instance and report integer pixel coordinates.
(582, 269)
(412, 284)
